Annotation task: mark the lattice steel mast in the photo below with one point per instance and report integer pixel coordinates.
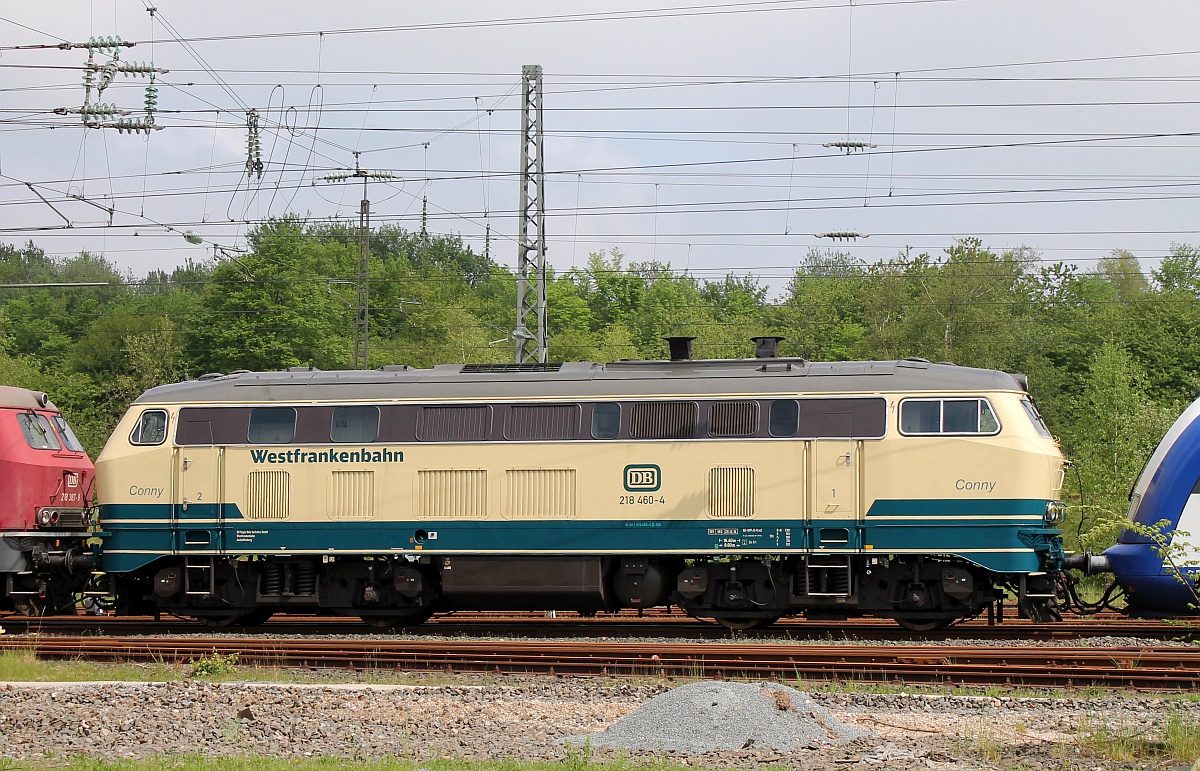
(531, 240)
(362, 279)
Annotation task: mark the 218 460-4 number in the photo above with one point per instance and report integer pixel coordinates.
(642, 500)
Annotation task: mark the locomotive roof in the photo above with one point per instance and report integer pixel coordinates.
(585, 379)
(23, 398)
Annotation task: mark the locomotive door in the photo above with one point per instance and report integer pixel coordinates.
(198, 524)
(836, 471)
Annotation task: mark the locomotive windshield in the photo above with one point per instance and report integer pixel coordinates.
(68, 436)
(37, 431)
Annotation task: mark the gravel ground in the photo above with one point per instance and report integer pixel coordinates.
(716, 724)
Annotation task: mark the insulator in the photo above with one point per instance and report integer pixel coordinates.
(107, 73)
(99, 110)
(102, 43)
(132, 125)
(151, 97)
(842, 235)
(135, 68)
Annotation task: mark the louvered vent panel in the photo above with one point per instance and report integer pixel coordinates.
(455, 424)
(733, 419)
(452, 494)
(540, 493)
(352, 495)
(663, 420)
(731, 493)
(267, 495)
(543, 421)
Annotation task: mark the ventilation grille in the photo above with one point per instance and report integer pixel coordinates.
(485, 369)
(663, 420)
(452, 494)
(540, 493)
(352, 495)
(731, 493)
(543, 421)
(267, 495)
(733, 419)
(455, 424)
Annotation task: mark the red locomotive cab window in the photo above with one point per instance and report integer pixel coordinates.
(70, 441)
(37, 431)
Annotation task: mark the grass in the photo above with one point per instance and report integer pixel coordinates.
(23, 666)
(1177, 739)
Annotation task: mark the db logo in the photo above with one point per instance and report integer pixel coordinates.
(643, 478)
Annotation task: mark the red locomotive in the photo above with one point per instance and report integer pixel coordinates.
(45, 506)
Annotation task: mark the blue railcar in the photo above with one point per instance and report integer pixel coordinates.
(1167, 491)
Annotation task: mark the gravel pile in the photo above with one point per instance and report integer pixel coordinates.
(721, 716)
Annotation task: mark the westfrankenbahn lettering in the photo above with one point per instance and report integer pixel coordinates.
(328, 456)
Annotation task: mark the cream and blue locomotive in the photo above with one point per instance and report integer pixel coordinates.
(740, 490)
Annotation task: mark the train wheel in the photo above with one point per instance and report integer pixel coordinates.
(256, 617)
(745, 624)
(219, 622)
(390, 622)
(932, 625)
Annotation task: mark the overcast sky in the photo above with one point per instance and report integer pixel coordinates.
(686, 133)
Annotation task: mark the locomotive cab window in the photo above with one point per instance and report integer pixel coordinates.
(151, 428)
(71, 441)
(38, 433)
(1039, 424)
(606, 420)
(948, 416)
(272, 425)
(354, 424)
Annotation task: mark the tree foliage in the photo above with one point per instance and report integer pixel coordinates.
(1112, 352)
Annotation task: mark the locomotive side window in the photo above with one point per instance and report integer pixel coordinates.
(606, 420)
(151, 428)
(729, 419)
(785, 417)
(38, 433)
(68, 436)
(662, 420)
(948, 416)
(272, 425)
(354, 424)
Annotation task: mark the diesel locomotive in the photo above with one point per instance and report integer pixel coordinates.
(740, 490)
(45, 511)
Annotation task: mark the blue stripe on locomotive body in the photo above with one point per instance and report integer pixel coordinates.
(1164, 489)
(1004, 536)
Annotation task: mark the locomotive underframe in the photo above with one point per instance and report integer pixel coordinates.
(43, 571)
(919, 592)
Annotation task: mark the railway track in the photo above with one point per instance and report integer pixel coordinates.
(650, 625)
(1143, 668)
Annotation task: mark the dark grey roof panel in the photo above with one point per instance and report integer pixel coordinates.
(589, 380)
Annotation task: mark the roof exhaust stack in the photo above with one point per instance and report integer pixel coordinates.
(681, 348)
(767, 347)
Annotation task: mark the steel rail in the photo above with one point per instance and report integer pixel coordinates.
(1145, 668)
(620, 625)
